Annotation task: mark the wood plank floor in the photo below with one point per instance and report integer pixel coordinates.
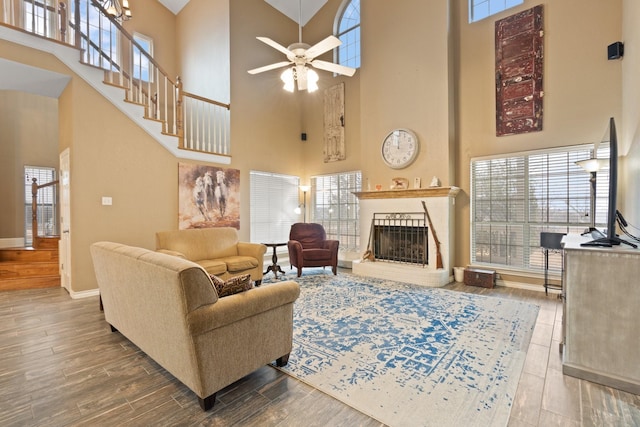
(61, 366)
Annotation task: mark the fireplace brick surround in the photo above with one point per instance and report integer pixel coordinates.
(440, 202)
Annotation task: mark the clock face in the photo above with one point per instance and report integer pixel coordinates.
(400, 148)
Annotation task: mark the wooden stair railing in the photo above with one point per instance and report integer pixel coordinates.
(200, 124)
(49, 241)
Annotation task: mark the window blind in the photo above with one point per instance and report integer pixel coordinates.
(274, 198)
(514, 198)
(334, 205)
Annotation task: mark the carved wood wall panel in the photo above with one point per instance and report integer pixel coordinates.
(334, 145)
(519, 62)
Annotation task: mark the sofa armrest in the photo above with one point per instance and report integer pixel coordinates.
(233, 308)
(172, 253)
(255, 250)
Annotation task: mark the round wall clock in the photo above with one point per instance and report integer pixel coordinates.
(400, 148)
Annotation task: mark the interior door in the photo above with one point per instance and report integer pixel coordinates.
(65, 220)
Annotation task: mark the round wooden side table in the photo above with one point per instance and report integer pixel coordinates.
(274, 259)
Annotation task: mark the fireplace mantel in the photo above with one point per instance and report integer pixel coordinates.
(409, 193)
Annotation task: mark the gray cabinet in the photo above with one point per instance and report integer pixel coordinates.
(602, 314)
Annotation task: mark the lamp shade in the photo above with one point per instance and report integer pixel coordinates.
(591, 165)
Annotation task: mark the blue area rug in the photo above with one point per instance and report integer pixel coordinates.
(407, 355)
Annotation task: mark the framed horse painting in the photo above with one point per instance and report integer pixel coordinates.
(208, 196)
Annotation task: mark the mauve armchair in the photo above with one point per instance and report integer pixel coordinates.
(309, 247)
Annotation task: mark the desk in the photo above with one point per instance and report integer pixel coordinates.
(274, 259)
(601, 321)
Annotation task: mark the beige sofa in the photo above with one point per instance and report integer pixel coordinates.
(217, 250)
(169, 308)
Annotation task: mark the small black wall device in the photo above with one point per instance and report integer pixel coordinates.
(615, 50)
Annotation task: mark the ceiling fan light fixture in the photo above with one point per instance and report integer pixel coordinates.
(312, 80)
(288, 79)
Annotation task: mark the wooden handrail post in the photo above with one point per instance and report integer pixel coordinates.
(76, 22)
(63, 22)
(34, 210)
(179, 113)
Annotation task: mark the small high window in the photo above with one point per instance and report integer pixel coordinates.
(480, 9)
(347, 29)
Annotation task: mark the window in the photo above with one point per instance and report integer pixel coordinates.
(99, 40)
(141, 64)
(274, 199)
(40, 17)
(347, 29)
(334, 205)
(480, 9)
(47, 203)
(515, 198)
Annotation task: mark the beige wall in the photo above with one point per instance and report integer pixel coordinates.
(629, 199)
(203, 48)
(582, 89)
(29, 136)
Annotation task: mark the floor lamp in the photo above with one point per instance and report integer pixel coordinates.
(304, 189)
(592, 166)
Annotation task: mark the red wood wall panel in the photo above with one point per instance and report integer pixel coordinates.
(519, 61)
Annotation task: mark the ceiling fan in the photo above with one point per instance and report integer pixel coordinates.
(300, 55)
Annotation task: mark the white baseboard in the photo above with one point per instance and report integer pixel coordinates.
(84, 294)
(12, 242)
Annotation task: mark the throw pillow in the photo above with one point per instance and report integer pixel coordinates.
(232, 286)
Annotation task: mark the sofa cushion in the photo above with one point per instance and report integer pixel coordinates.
(213, 266)
(232, 286)
(239, 263)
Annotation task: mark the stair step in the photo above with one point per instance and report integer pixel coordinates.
(29, 254)
(12, 270)
(29, 283)
(50, 242)
(119, 86)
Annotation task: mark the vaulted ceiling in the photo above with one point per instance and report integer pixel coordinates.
(297, 10)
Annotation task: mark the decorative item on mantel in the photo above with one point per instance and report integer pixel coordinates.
(399, 184)
(435, 182)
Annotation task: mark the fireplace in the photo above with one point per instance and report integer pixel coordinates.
(401, 237)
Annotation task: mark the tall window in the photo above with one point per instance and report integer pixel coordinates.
(347, 29)
(141, 64)
(334, 205)
(40, 17)
(47, 203)
(515, 198)
(274, 199)
(480, 9)
(101, 44)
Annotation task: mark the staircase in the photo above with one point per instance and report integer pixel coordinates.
(187, 125)
(28, 268)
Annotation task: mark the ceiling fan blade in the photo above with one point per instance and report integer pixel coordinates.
(275, 45)
(269, 67)
(323, 46)
(335, 68)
